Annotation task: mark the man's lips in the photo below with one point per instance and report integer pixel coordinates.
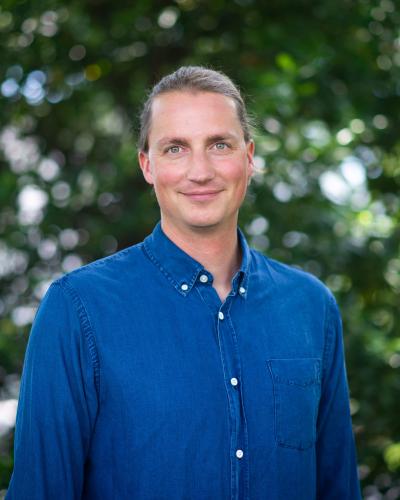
(202, 195)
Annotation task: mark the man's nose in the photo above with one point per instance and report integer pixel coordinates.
(200, 168)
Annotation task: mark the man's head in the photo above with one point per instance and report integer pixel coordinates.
(195, 79)
(195, 149)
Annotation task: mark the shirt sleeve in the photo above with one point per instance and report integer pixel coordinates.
(58, 401)
(336, 456)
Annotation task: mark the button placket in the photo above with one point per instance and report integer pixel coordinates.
(229, 356)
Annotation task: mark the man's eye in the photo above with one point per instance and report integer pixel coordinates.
(221, 146)
(174, 149)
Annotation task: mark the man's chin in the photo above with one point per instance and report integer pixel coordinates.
(205, 225)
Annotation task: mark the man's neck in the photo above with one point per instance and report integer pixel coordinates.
(218, 250)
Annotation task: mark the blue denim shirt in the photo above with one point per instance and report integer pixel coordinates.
(139, 383)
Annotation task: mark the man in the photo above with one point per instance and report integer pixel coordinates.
(188, 366)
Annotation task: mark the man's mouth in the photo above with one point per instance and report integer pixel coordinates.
(202, 195)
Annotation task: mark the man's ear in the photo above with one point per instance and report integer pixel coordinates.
(144, 163)
(250, 156)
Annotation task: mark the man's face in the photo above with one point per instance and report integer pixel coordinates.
(197, 161)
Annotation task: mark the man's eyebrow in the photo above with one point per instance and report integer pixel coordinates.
(181, 141)
(221, 137)
(172, 140)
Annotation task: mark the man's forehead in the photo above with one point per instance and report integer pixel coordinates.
(185, 113)
(174, 98)
(193, 117)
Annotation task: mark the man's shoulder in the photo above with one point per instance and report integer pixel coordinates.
(105, 271)
(288, 277)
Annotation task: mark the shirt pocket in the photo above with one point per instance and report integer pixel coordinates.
(297, 388)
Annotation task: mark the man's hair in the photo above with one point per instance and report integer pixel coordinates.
(194, 79)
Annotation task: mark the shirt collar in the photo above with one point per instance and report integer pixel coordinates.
(181, 270)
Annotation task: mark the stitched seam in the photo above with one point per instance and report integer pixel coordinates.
(103, 261)
(328, 338)
(173, 282)
(232, 420)
(204, 302)
(158, 265)
(245, 430)
(275, 402)
(86, 328)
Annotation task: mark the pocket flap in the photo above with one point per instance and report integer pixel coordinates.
(299, 371)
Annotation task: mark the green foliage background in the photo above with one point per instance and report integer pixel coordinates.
(322, 80)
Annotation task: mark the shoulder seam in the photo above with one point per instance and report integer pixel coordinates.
(86, 327)
(327, 334)
(102, 261)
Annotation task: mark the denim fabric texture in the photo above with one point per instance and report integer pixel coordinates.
(139, 383)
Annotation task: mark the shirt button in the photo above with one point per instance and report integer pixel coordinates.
(221, 315)
(184, 287)
(239, 453)
(234, 381)
(242, 290)
(204, 278)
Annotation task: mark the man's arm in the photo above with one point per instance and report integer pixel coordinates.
(336, 456)
(58, 401)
